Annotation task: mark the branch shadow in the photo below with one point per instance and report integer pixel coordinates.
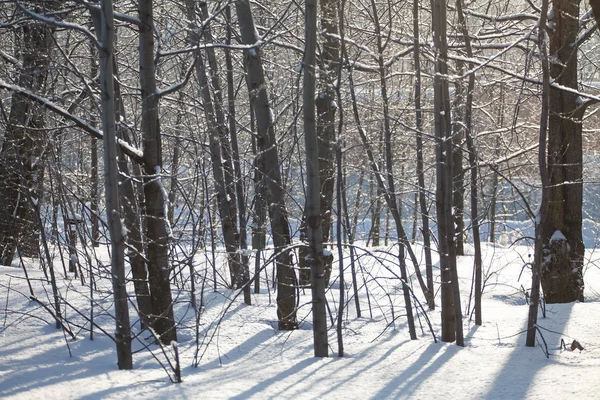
(520, 370)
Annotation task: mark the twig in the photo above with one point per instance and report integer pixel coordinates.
(58, 321)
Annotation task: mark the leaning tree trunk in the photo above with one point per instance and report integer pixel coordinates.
(468, 128)
(111, 182)
(220, 151)
(420, 169)
(562, 272)
(268, 165)
(163, 321)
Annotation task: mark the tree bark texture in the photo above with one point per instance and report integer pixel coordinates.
(156, 224)
(562, 272)
(268, 165)
(21, 167)
(326, 109)
(111, 182)
(314, 217)
(420, 168)
(444, 177)
(220, 150)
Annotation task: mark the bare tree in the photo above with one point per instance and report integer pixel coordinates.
(159, 270)
(562, 272)
(451, 306)
(111, 182)
(269, 168)
(314, 219)
(25, 141)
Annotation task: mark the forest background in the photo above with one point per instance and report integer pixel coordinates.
(256, 148)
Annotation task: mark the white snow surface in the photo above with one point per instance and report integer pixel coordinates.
(247, 357)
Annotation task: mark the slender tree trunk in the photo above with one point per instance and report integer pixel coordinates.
(259, 219)
(94, 181)
(237, 168)
(314, 218)
(220, 151)
(163, 320)
(419, 139)
(111, 181)
(458, 134)
(175, 165)
(326, 108)
(468, 128)
(538, 260)
(268, 165)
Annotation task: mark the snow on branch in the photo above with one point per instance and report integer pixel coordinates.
(503, 18)
(134, 153)
(60, 24)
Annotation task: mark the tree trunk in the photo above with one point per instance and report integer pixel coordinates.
(458, 133)
(163, 321)
(562, 272)
(468, 129)
(326, 109)
(538, 260)
(111, 181)
(220, 150)
(21, 168)
(268, 165)
(94, 181)
(420, 170)
(237, 168)
(451, 316)
(314, 217)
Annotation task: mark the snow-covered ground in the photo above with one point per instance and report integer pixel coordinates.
(241, 354)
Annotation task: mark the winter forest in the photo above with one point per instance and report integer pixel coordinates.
(299, 199)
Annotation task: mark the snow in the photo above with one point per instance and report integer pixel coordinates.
(124, 230)
(558, 236)
(165, 196)
(244, 355)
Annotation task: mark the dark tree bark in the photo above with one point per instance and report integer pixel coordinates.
(314, 218)
(132, 199)
(21, 166)
(419, 139)
(458, 135)
(468, 128)
(451, 306)
(111, 182)
(562, 272)
(237, 169)
(326, 109)
(538, 260)
(94, 181)
(268, 166)
(220, 150)
(163, 321)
